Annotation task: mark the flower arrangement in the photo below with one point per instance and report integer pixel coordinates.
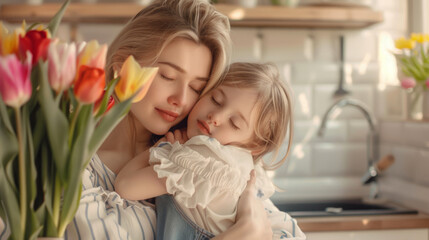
(55, 111)
(413, 59)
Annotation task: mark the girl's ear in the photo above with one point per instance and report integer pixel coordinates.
(257, 151)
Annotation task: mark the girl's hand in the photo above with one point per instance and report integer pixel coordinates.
(252, 221)
(178, 135)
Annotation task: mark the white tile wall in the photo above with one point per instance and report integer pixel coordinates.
(358, 130)
(303, 101)
(309, 59)
(361, 46)
(286, 45)
(324, 98)
(416, 134)
(422, 163)
(246, 44)
(339, 159)
(315, 72)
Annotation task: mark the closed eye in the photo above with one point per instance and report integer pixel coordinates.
(166, 77)
(233, 125)
(215, 101)
(198, 91)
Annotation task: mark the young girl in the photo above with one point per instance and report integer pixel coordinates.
(230, 128)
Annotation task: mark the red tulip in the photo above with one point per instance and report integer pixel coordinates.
(89, 85)
(36, 42)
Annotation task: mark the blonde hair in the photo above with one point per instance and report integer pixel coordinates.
(274, 108)
(153, 28)
(147, 34)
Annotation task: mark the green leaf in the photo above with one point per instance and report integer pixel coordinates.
(55, 21)
(56, 122)
(9, 201)
(107, 94)
(107, 123)
(39, 131)
(79, 155)
(29, 158)
(75, 191)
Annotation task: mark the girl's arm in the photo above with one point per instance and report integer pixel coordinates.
(252, 221)
(138, 181)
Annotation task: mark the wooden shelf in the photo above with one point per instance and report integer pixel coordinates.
(261, 16)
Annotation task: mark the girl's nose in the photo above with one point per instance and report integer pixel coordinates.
(214, 118)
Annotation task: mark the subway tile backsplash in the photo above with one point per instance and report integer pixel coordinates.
(310, 60)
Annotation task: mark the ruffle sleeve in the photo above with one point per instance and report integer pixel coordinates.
(265, 188)
(201, 169)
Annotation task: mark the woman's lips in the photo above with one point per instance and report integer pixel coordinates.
(167, 115)
(204, 127)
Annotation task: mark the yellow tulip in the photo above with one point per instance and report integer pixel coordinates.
(134, 78)
(403, 43)
(9, 42)
(418, 37)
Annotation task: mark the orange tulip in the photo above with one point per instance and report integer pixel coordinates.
(89, 85)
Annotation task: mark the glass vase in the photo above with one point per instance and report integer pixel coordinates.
(425, 109)
(414, 104)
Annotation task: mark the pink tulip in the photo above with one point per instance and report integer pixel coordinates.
(92, 55)
(61, 65)
(408, 83)
(427, 83)
(15, 83)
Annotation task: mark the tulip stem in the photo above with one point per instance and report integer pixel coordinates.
(21, 163)
(73, 123)
(57, 200)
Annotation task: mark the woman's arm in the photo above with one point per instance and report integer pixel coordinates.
(252, 220)
(138, 181)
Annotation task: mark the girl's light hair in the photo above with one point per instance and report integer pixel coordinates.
(153, 28)
(274, 108)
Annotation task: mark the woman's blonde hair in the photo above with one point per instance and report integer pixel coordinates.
(274, 108)
(153, 28)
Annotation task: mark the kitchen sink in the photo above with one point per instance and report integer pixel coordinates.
(342, 207)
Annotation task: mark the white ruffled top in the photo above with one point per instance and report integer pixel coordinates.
(207, 178)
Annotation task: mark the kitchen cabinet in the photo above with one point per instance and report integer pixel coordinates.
(260, 16)
(398, 234)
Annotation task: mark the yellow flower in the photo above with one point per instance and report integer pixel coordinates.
(402, 43)
(9, 42)
(419, 37)
(134, 78)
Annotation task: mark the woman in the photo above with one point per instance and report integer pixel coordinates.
(189, 42)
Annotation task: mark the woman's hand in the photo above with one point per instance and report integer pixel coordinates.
(252, 221)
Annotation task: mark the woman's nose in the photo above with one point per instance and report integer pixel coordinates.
(178, 97)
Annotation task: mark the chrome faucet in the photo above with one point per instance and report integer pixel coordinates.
(372, 139)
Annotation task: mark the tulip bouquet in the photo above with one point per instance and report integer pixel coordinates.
(413, 59)
(55, 111)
